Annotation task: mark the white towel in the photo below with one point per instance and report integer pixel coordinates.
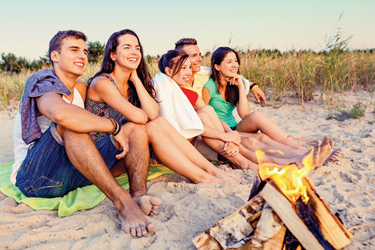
(175, 107)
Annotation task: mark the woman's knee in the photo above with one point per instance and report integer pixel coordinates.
(249, 141)
(254, 116)
(154, 128)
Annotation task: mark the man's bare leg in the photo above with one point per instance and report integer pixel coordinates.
(84, 155)
(251, 155)
(261, 141)
(136, 163)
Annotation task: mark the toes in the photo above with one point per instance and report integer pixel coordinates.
(127, 230)
(141, 231)
(155, 201)
(150, 227)
(133, 231)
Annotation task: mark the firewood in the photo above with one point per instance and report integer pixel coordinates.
(276, 242)
(233, 228)
(268, 226)
(205, 242)
(285, 211)
(334, 232)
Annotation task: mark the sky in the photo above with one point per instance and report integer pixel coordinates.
(28, 25)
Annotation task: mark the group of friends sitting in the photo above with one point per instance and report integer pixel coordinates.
(68, 134)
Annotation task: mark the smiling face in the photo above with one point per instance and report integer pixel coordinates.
(228, 68)
(182, 78)
(128, 52)
(195, 56)
(72, 58)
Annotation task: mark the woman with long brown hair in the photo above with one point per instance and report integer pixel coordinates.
(225, 91)
(123, 90)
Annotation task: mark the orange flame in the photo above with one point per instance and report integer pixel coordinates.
(289, 178)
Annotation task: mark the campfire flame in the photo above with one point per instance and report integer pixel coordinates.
(289, 178)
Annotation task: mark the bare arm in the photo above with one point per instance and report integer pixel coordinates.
(206, 95)
(82, 88)
(243, 106)
(78, 119)
(259, 95)
(226, 126)
(102, 89)
(148, 104)
(71, 116)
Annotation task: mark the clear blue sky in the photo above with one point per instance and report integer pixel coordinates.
(28, 25)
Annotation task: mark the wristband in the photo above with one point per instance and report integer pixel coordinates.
(114, 124)
(253, 86)
(256, 86)
(118, 128)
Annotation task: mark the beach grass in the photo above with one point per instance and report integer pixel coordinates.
(293, 74)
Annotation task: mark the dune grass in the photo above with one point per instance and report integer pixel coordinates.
(294, 74)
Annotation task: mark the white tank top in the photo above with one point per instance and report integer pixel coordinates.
(20, 147)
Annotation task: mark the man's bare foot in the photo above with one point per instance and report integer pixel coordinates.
(149, 205)
(315, 156)
(325, 151)
(333, 156)
(133, 221)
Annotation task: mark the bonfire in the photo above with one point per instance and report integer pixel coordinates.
(284, 211)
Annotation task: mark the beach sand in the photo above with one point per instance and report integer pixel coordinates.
(347, 185)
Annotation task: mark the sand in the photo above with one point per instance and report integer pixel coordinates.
(347, 185)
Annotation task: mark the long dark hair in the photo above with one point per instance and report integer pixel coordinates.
(108, 65)
(173, 59)
(231, 93)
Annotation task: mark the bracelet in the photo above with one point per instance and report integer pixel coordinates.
(114, 124)
(118, 128)
(253, 86)
(256, 86)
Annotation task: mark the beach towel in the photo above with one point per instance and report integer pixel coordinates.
(78, 199)
(175, 107)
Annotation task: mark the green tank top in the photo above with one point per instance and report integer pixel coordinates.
(223, 109)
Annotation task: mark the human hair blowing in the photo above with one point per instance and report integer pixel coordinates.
(231, 93)
(108, 66)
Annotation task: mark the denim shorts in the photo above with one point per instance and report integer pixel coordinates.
(47, 171)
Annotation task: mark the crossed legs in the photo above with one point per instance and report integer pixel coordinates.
(210, 120)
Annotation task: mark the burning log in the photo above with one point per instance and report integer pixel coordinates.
(293, 222)
(281, 200)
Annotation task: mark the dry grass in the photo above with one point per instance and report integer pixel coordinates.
(291, 75)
